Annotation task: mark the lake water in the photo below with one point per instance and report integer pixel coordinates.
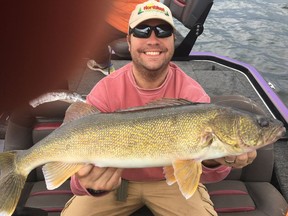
(251, 31)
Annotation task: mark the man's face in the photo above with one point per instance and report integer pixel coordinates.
(151, 54)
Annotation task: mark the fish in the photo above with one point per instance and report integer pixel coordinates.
(175, 134)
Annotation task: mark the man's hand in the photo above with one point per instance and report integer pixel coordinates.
(97, 178)
(239, 161)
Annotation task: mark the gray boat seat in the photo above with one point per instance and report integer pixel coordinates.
(244, 192)
(191, 13)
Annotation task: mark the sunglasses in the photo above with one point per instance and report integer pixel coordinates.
(145, 31)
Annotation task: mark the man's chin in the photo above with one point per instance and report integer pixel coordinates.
(154, 65)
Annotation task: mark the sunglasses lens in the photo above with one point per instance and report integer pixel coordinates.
(163, 31)
(144, 31)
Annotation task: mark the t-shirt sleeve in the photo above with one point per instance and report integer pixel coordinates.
(98, 97)
(76, 187)
(210, 175)
(192, 90)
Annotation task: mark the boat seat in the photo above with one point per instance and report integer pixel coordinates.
(191, 13)
(244, 192)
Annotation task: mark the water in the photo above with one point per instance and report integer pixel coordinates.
(251, 31)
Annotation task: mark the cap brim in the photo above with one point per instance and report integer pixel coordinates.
(155, 16)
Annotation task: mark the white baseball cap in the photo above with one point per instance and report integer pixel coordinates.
(150, 10)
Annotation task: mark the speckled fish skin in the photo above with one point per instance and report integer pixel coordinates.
(157, 135)
(148, 137)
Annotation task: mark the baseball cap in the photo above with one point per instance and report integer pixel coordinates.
(150, 10)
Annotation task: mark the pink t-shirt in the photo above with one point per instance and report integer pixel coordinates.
(120, 91)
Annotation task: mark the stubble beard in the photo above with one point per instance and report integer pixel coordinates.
(149, 72)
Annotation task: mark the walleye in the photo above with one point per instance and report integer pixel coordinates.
(175, 134)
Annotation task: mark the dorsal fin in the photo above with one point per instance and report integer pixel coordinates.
(161, 103)
(78, 110)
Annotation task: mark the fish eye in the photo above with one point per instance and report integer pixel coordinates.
(262, 121)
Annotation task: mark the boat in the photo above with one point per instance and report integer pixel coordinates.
(258, 189)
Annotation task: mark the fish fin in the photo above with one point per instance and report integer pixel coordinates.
(238, 102)
(11, 183)
(56, 173)
(78, 110)
(161, 103)
(187, 174)
(207, 137)
(169, 175)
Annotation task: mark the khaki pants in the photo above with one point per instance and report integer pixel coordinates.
(159, 197)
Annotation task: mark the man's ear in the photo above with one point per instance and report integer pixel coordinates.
(128, 41)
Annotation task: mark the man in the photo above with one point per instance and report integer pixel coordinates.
(150, 76)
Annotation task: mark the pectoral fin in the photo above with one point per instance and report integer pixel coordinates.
(169, 175)
(57, 173)
(187, 174)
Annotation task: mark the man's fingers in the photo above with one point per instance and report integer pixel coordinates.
(85, 170)
(230, 159)
(110, 179)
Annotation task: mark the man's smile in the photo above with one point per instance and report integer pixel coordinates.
(152, 53)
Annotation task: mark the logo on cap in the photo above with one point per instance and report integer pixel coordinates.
(151, 7)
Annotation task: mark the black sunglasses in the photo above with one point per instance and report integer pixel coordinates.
(144, 31)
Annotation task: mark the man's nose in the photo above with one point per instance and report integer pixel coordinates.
(153, 38)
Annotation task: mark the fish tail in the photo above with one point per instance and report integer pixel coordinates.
(11, 183)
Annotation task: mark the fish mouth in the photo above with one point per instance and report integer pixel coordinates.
(280, 132)
(275, 135)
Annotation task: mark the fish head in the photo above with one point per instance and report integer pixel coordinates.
(243, 132)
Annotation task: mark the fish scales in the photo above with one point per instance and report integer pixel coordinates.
(123, 136)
